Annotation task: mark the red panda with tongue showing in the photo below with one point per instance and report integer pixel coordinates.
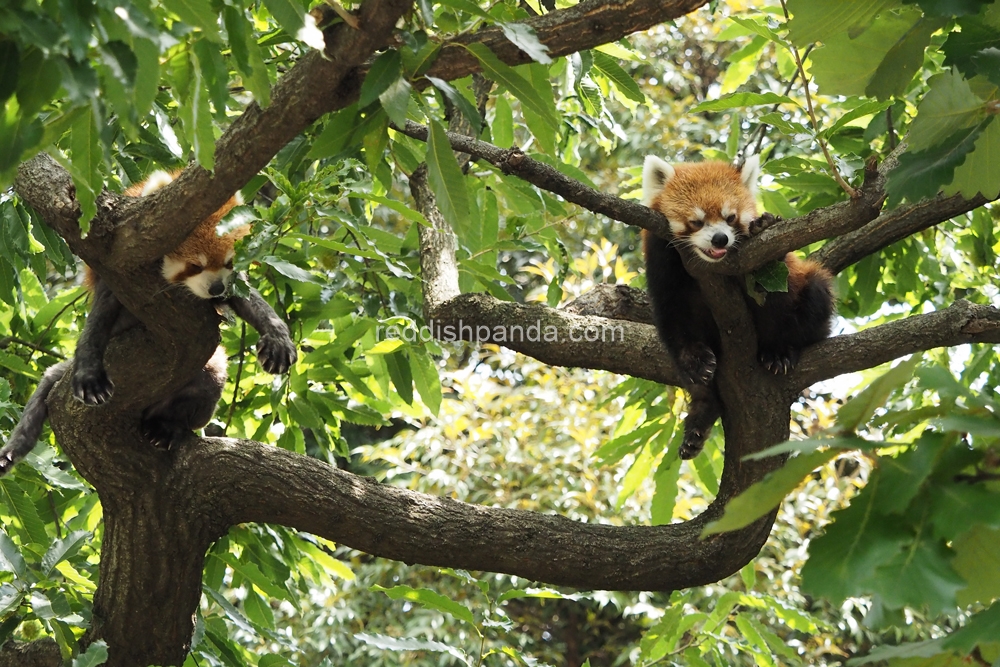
(710, 207)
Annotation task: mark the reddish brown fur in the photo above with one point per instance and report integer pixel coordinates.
(706, 185)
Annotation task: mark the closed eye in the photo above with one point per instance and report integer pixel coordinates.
(731, 218)
(697, 224)
(193, 269)
(229, 265)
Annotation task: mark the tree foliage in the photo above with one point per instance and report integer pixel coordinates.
(878, 124)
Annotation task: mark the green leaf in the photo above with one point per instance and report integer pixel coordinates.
(296, 22)
(258, 611)
(980, 172)
(882, 654)
(63, 549)
(625, 83)
(399, 372)
(665, 489)
(246, 53)
(232, 613)
(819, 20)
(846, 66)
(386, 69)
(289, 270)
(861, 407)
(197, 14)
(19, 505)
(765, 495)
(335, 134)
(949, 106)
(843, 561)
(977, 560)
(426, 379)
(394, 644)
(773, 276)
(395, 100)
(503, 123)
(523, 37)
(86, 153)
(429, 599)
(981, 628)
(467, 108)
(96, 654)
(445, 177)
(921, 175)
(252, 573)
(742, 100)
(523, 90)
(13, 561)
(963, 46)
(636, 475)
(865, 109)
(903, 60)
(919, 575)
(903, 475)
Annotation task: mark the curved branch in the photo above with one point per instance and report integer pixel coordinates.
(893, 226)
(555, 337)
(248, 481)
(962, 322)
(513, 161)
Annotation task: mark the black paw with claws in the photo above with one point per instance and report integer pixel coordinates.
(779, 362)
(92, 386)
(161, 434)
(698, 362)
(757, 225)
(276, 354)
(693, 443)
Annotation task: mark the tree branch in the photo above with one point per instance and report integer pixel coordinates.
(248, 481)
(890, 227)
(962, 322)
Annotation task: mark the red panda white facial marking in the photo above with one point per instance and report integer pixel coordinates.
(709, 204)
(203, 262)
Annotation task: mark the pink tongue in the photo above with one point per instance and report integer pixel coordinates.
(716, 253)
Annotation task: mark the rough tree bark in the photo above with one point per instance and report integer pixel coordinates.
(163, 509)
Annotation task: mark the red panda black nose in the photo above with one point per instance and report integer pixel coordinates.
(218, 288)
(720, 240)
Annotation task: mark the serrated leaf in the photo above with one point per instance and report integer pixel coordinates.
(983, 627)
(949, 106)
(445, 177)
(818, 20)
(922, 175)
(426, 380)
(980, 172)
(13, 561)
(523, 37)
(246, 53)
(428, 598)
(902, 61)
(865, 109)
(253, 574)
(846, 66)
(85, 150)
(336, 133)
(63, 549)
(921, 574)
(741, 100)
(232, 613)
(625, 83)
(773, 276)
(861, 407)
(842, 562)
(258, 611)
(386, 69)
(500, 72)
(962, 46)
(765, 495)
(19, 505)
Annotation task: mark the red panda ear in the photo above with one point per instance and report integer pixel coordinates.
(239, 232)
(655, 174)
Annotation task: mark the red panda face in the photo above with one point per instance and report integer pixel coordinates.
(203, 262)
(709, 204)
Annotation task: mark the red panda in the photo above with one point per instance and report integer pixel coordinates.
(711, 207)
(203, 263)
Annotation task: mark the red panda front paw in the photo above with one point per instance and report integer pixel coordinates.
(161, 434)
(698, 362)
(693, 443)
(757, 225)
(92, 387)
(779, 362)
(276, 354)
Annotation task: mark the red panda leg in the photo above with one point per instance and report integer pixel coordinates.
(704, 410)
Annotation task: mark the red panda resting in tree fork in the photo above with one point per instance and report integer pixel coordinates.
(711, 208)
(202, 263)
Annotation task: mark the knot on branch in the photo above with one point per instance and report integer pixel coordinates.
(511, 159)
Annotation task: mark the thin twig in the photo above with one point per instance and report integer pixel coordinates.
(761, 130)
(239, 374)
(812, 117)
(7, 340)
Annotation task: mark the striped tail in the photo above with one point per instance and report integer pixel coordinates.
(25, 435)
